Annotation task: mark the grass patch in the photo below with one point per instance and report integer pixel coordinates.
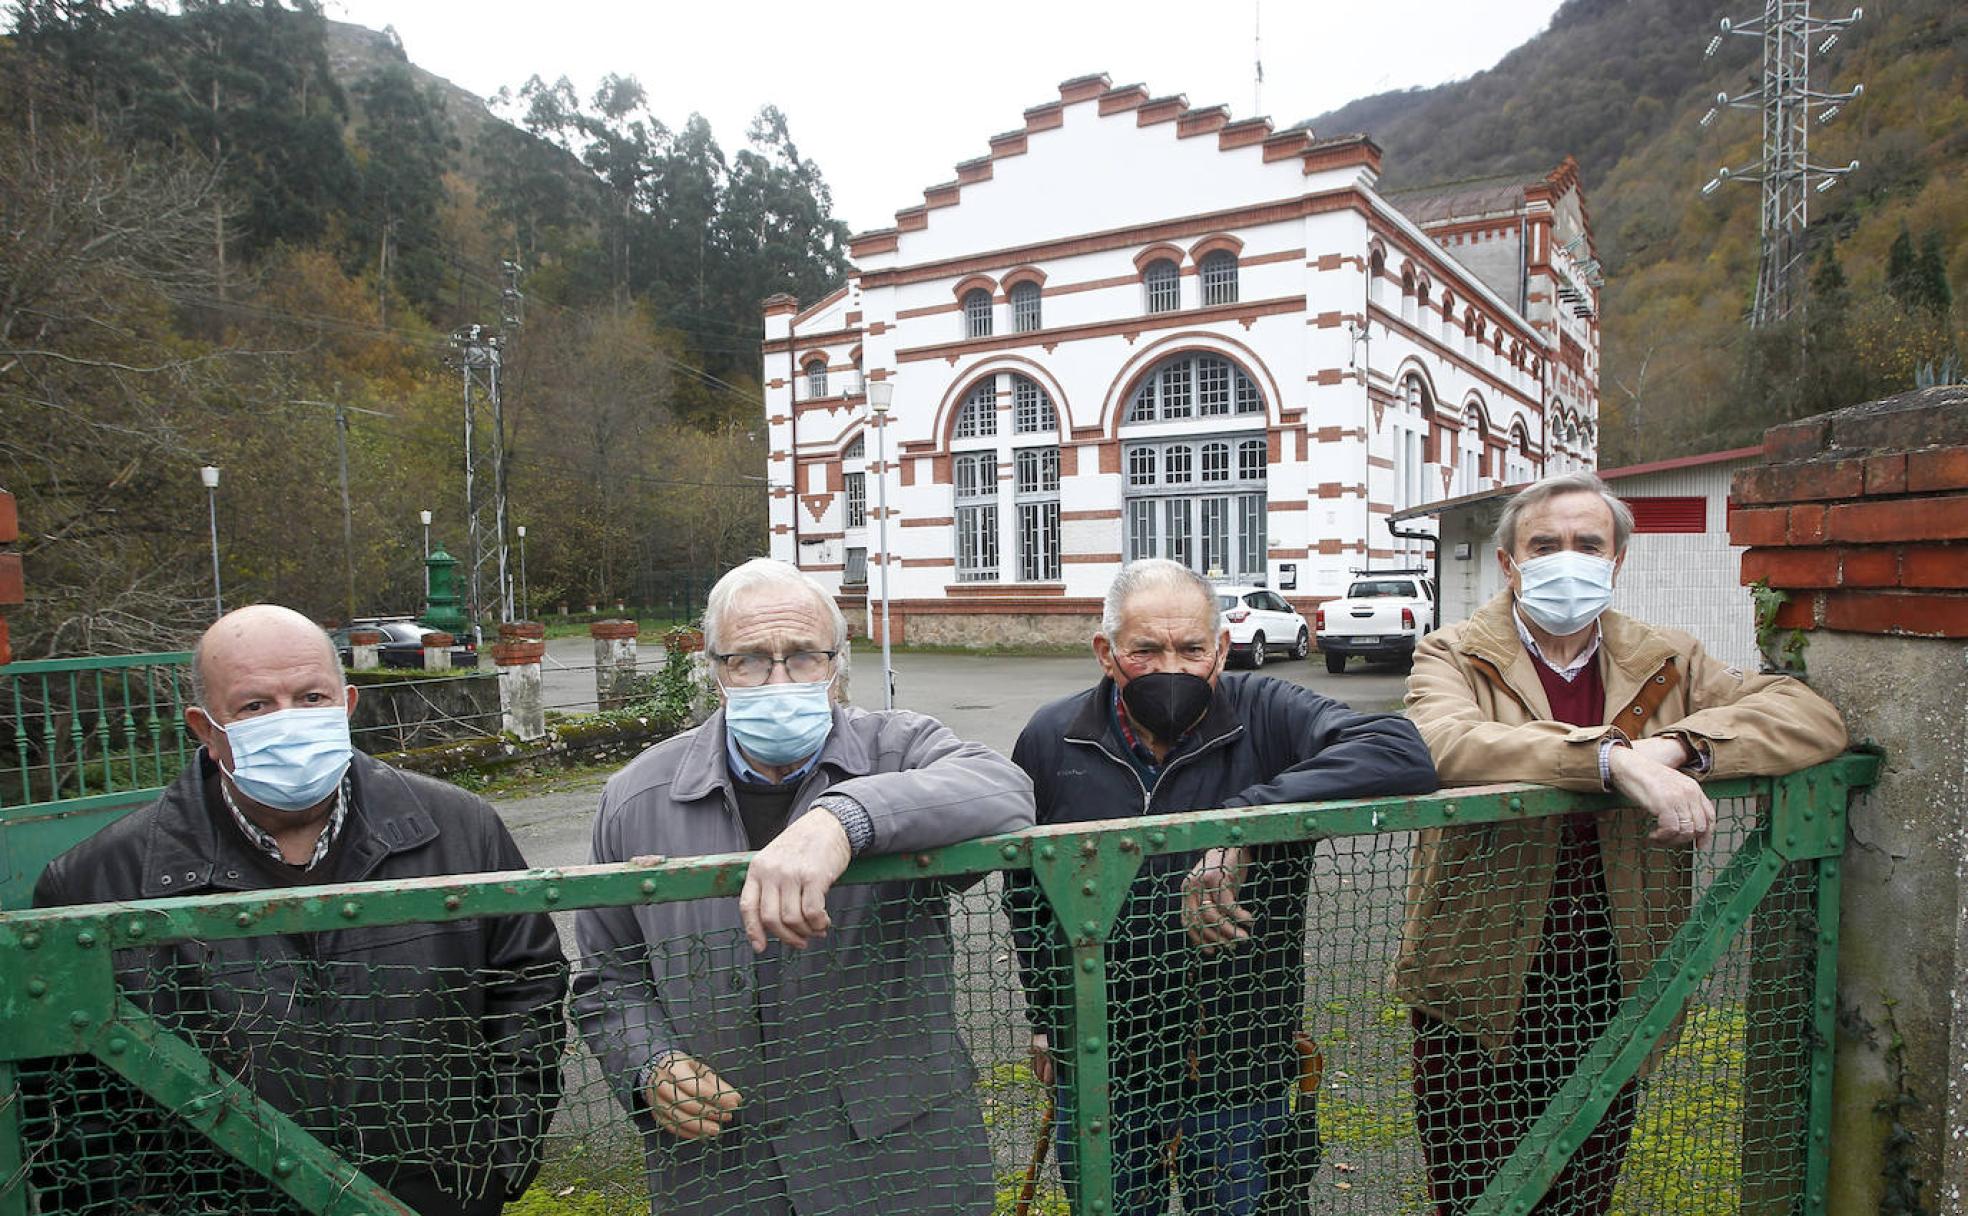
(649, 629)
(524, 784)
(584, 1183)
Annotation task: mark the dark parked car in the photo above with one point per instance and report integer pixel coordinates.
(403, 643)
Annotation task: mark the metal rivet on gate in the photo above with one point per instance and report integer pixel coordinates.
(1089, 966)
(283, 1166)
(649, 886)
(37, 987)
(553, 895)
(1089, 847)
(1010, 852)
(1515, 803)
(1311, 823)
(1448, 810)
(30, 940)
(1809, 814)
(79, 1018)
(117, 1046)
(1096, 1127)
(135, 928)
(1770, 862)
(1830, 869)
(1130, 845)
(1824, 1003)
(1047, 852)
(1158, 838)
(1822, 1068)
(1091, 928)
(243, 920)
(1089, 887)
(85, 939)
(1827, 938)
(1236, 833)
(922, 860)
(1092, 1044)
(1790, 840)
(1098, 1205)
(452, 903)
(350, 909)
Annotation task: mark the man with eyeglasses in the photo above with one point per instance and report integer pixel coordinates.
(1206, 961)
(794, 1049)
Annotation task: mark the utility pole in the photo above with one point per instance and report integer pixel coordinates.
(1789, 105)
(342, 411)
(481, 361)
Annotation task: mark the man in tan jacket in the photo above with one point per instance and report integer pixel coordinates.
(1522, 938)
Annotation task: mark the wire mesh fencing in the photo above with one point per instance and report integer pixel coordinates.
(1422, 1010)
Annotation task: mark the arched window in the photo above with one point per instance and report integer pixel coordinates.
(1470, 449)
(1025, 307)
(1031, 409)
(1219, 274)
(1376, 271)
(816, 377)
(979, 416)
(1197, 499)
(1163, 285)
(854, 482)
(977, 313)
(1194, 386)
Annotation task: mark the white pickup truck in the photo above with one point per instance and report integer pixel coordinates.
(1383, 615)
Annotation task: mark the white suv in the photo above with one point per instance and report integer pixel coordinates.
(1262, 625)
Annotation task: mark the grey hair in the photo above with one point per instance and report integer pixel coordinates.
(1581, 482)
(768, 572)
(1151, 574)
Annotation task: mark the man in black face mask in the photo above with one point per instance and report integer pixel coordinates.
(1205, 964)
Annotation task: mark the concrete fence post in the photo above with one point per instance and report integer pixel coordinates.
(1860, 517)
(437, 651)
(517, 653)
(365, 649)
(615, 662)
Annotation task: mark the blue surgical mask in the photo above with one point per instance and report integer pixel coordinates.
(780, 723)
(290, 760)
(1563, 592)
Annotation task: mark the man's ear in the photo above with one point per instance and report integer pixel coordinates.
(1222, 654)
(349, 708)
(1619, 564)
(1103, 652)
(201, 724)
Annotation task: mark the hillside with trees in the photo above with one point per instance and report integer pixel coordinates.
(226, 219)
(1623, 87)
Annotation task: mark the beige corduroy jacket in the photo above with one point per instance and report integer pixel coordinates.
(1477, 893)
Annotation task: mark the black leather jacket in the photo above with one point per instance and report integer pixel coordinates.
(1230, 1015)
(427, 1054)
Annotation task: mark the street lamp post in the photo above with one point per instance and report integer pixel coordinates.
(881, 394)
(209, 474)
(426, 517)
(525, 604)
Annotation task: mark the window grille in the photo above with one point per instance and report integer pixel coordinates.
(1219, 275)
(1036, 470)
(1189, 386)
(856, 573)
(1032, 412)
(979, 416)
(1025, 308)
(977, 313)
(1164, 286)
(1212, 387)
(1038, 541)
(856, 485)
(816, 378)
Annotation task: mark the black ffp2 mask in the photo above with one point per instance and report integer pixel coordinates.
(1166, 703)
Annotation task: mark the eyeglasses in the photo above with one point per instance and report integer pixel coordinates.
(751, 669)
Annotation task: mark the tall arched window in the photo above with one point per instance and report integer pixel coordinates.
(1197, 499)
(1163, 284)
(1376, 271)
(979, 415)
(816, 377)
(854, 482)
(1470, 449)
(1218, 272)
(1031, 409)
(977, 313)
(1025, 307)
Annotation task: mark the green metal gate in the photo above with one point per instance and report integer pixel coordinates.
(1737, 1010)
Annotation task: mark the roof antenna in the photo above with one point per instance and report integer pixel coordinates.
(1257, 56)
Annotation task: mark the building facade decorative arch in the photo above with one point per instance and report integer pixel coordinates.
(1220, 242)
(1163, 252)
(1412, 367)
(974, 282)
(1024, 274)
(960, 387)
(1121, 389)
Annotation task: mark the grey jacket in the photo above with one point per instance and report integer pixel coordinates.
(856, 1083)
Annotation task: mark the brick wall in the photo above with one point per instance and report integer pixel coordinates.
(1862, 516)
(12, 593)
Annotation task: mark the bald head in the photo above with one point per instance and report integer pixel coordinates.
(254, 642)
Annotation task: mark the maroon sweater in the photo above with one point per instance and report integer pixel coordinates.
(1576, 921)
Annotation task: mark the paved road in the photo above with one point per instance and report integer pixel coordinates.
(983, 698)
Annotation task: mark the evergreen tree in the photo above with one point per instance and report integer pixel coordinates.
(406, 149)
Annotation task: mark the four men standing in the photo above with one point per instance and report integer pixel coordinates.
(797, 1049)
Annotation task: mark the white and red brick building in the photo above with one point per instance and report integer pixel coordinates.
(1136, 328)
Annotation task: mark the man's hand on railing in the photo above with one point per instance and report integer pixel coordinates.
(1042, 1059)
(1649, 772)
(1210, 911)
(785, 893)
(687, 1099)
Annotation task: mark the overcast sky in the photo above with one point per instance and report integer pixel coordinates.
(941, 78)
